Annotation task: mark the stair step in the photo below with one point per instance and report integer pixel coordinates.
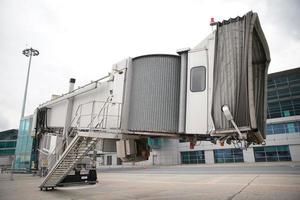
(64, 168)
(57, 174)
(61, 170)
(78, 149)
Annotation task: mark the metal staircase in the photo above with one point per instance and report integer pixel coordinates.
(75, 152)
(101, 124)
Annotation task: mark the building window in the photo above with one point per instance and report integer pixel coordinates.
(108, 160)
(198, 79)
(192, 157)
(272, 153)
(283, 108)
(283, 128)
(49, 143)
(283, 95)
(5, 152)
(228, 155)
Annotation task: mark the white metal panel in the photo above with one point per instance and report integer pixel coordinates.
(99, 94)
(121, 149)
(118, 86)
(85, 100)
(196, 112)
(130, 147)
(52, 142)
(210, 72)
(57, 114)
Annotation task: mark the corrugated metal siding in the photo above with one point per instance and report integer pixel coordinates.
(153, 94)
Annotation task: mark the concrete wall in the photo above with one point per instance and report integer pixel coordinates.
(295, 152)
(168, 153)
(248, 155)
(209, 157)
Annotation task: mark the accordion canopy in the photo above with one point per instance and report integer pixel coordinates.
(240, 74)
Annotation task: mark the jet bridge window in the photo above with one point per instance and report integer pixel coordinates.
(198, 79)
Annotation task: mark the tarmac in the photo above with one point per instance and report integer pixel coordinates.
(219, 181)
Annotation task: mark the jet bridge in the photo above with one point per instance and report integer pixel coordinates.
(215, 92)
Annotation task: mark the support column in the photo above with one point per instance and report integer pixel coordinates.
(249, 155)
(295, 152)
(69, 110)
(209, 157)
(183, 82)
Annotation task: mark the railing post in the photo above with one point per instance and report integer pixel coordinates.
(79, 118)
(105, 114)
(92, 115)
(118, 117)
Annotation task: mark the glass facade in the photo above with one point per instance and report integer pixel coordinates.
(228, 155)
(290, 127)
(283, 95)
(192, 157)
(284, 101)
(272, 153)
(8, 140)
(154, 143)
(7, 147)
(24, 146)
(284, 108)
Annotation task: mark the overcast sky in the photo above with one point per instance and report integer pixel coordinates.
(82, 39)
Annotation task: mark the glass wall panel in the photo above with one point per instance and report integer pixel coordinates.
(272, 153)
(228, 155)
(283, 128)
(192, 157)
(24, 146)
(283, 96)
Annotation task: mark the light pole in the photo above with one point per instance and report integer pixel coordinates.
(28, 53)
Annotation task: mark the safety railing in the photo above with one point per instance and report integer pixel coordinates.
(91, 115)
(97, 115)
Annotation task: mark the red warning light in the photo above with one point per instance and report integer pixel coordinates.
(212, 21)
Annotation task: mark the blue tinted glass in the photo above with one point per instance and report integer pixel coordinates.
(192, 157)
(272, 153)
(23, 146)
(228, 155)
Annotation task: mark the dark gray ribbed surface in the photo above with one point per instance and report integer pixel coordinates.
(240, 73)
(152, 94)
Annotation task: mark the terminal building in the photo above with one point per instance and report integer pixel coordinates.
(8, 140)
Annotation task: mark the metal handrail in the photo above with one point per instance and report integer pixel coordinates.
(103, 107)
(54, 155)
(101, 116)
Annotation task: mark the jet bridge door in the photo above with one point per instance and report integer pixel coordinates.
(197, 95)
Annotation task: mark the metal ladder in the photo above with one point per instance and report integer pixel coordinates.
(77, 149)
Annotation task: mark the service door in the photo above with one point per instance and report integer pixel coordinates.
(196, 108)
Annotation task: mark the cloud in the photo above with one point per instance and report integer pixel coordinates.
(285, 15)
(4, 122)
